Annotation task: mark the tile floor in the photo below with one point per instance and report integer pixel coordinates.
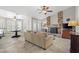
(18, 45)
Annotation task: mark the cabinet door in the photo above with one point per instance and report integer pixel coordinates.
(74, 44)
(66, 34)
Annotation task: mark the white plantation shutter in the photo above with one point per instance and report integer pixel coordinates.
(10, 25)
(19, 25)
(2, 23)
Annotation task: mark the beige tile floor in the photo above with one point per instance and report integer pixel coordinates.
(18, 45)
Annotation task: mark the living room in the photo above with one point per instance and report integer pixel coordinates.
(37, 29)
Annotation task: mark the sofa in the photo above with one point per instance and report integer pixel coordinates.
(41, 39)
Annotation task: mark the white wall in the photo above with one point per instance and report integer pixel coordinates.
(7, 14)
(77, 17)
(67, 13)
(11, 24)
(27, 23)
(54, 19)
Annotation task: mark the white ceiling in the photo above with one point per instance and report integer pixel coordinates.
(32, 10)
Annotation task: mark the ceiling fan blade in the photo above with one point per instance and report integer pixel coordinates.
(40, 12)
(49, 11)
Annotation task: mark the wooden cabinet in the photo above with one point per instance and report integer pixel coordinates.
(66, 33)
(67, 30)
(74, 43)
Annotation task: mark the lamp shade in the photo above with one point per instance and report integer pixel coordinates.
(73, 23)
(78, 23)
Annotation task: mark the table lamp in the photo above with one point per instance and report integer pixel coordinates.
(73, 23)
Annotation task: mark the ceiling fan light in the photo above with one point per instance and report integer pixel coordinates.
(44, 11)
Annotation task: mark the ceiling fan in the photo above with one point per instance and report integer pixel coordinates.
(44, 9)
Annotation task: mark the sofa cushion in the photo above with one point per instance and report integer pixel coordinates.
(41, 34)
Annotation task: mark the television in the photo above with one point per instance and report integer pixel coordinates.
(53, 30)
(65, 26)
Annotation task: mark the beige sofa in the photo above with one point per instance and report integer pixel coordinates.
(40, 39)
